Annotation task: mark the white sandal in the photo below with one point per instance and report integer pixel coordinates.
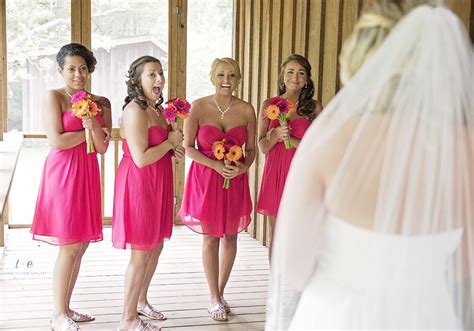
(81, 317)
(67, 325)
(149, 312)
(215, 310)
(144, 326)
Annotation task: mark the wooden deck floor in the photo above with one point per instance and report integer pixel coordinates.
(179, 287)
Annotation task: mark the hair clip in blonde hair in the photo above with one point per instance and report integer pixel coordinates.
(373, 20)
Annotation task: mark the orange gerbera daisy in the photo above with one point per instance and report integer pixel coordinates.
(272, 112)
(291, 106)
(235, 153)
(80, 108)
(93, 108)
(218, 150)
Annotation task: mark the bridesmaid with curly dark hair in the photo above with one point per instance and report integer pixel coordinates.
(143, 197)
(68, 208)
(294, 84)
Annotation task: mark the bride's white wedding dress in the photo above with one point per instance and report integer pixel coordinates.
(365, 279)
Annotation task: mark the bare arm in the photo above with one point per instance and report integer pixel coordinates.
(232, 171)
(52, 112)
(295, 142)
(135, 125)
(99, 134)
(250, 142)
(267, 139)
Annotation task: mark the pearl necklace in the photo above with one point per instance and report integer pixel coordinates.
(225, 110)
(69, 94)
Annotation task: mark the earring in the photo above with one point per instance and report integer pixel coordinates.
(306, 85)
(282, 85)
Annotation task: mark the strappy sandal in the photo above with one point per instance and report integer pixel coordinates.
(81, 317)
(217, 312)
(226, 305)
(144, 326)
(67, 325)
(151, 313)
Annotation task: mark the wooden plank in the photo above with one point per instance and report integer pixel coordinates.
(315, 41)
(264, 93)
(239, 54)
(301, 27)
(350, 13)
(76, 21)
(332, 35)
(275, 44)
(246, 63)
(255, 86)
(462, 8)
(288, 31)
(177, 81)
(179, 287)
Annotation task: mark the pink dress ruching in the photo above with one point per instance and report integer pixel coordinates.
(68, 208)
(143, 199)
(207, 207)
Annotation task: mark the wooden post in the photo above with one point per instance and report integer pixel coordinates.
(177, 40)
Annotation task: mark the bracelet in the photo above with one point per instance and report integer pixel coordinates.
(269, 134)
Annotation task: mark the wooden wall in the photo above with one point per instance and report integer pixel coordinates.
(267, 31)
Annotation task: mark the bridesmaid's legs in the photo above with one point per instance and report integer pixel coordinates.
(271, 224)
(227, 258)
(210, 260)
(134, 277)
(62, 274)
(74, 274)
(149, 272)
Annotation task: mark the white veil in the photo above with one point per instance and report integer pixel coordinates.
(392, 152)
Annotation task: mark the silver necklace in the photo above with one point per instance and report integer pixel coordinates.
(67, 92)
(157, 111)
(225, 110)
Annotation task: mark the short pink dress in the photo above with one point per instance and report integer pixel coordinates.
(68, 208)
(207, 207)
(277, 165)
(143, 199)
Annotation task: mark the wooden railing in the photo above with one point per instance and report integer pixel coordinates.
(9, 151)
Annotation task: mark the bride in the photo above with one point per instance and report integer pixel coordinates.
(379, 203)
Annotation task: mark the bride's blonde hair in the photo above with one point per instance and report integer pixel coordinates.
(374, 24)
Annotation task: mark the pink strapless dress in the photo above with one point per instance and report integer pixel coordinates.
(207, 207)
(277, 165)
(143, 199)
(68, 208)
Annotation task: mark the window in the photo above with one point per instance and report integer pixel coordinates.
(35, 32)
(122, 31)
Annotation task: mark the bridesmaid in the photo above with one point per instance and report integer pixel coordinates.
(143, 197)
(68, 208)
(207, 208)
(296, 85)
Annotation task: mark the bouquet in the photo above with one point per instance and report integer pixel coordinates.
(229, 151)
(83, 106)
(280, 108)
(176, 108)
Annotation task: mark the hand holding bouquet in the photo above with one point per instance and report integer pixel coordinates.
(176, 108)
(84, 106)
(228, 151)
(280, 108)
